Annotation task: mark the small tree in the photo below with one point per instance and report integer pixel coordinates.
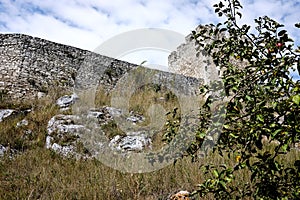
(263, 106)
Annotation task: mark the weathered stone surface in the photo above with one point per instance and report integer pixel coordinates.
(181, 195)
(95, 113)
(107, 114)
(4, 113)
(190, 59)
(137, 141)
(6, 150)
(113, 111)
(24, 122)
(41, 95)
(31, 66)
(186, 60)
(63, 132)
(3, 149)
(135, 118)
(67, 100)
(64, 123)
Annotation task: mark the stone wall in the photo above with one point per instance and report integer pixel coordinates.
(30, 65)
(188, 61)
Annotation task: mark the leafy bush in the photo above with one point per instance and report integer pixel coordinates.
(263, 109)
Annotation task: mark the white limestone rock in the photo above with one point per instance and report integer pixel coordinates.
(187, 61)
(3, 149)
(63, 124)
(24, 122)
(181, 195)
(114, 112)
(63, 150)
(8, 151)
(67, 100)
(41, 95)
(4, 113)
(135, 118)
(134, 142)
(96, 114)
(63, 133)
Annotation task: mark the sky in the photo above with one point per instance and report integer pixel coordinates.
(88, 23)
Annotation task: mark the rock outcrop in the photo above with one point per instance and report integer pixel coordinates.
(4, 113)
(187, 60)
(65, 131)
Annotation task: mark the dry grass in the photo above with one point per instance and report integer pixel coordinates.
(102, 97)
(152, 94)
(41, 174)
(38, 173)
(20, 138)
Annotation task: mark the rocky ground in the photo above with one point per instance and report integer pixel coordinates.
(64, 130)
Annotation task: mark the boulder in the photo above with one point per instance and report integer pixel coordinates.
(135, 118)
(4, 113)
(67, 100)
(181, 195)
(131, 142)
(63, 132)
(24, 122)
(3, 149)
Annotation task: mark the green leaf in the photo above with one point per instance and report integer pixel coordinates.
(260, 118)
(296, 99)
(216, 174)
(284, 147)
(226, 126)
(276, 132)
(223, 184)
(143, 62)
(232, 135)
(221, 5)
(228, 179)
(223, 29)
(248, 98)
(282, 32)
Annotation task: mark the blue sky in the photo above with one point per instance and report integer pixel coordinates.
(88, 23)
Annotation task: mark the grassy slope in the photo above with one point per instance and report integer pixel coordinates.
(38, 173)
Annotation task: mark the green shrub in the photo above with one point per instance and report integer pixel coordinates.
(264, 102)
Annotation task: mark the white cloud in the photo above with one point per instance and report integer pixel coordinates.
(285, 12)
(88, 23)
(100, 19)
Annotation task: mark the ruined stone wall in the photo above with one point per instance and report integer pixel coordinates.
(188, 61)
(30, 65)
